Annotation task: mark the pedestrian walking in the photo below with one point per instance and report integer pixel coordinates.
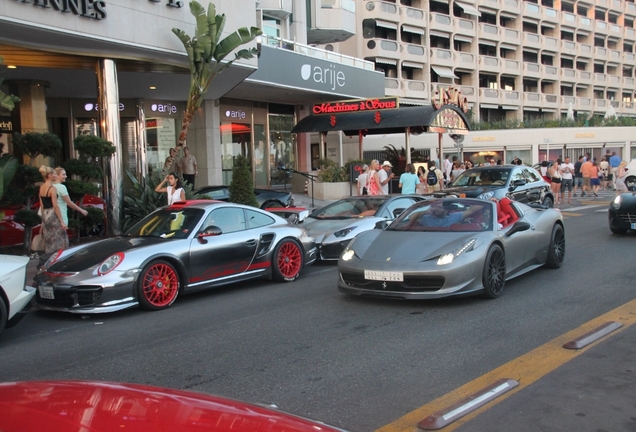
(621, 173)
(434, 178)
(409, 180)
(63, 199)
(362, 180)
(53, 228)
(604, 173)
(595, 181)
(188, 167)
(586, 171)
(173, 188)
(554, 174)
(373, 181)
(421, 175)
(385, 175)
(567, 179)
(578, 177)
(614, 162)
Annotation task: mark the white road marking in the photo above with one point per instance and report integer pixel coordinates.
(583, 208)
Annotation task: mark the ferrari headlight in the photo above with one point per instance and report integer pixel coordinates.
(348, 253)
(450, 257)
(486, 195)
(110, 263)
(616, 204)
(343, 232)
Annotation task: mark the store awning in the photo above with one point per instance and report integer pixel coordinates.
(439, 34)
(446, 119)
(387, 61)
(444, 72)
(469, 9)
(461, 38)
(386, 24)
(414, 30)
(412, 65)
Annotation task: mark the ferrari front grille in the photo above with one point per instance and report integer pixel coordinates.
(410, 283)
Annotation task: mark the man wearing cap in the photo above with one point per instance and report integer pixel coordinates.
(385, 175)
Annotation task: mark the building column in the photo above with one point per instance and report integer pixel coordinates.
(31, 110)
(204, 142)
(108, 99)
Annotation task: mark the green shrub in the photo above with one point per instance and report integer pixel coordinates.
(331, 172)
(242, 185)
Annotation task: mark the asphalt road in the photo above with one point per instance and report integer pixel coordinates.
(356, 363)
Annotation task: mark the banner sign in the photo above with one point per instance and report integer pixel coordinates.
(377, 104)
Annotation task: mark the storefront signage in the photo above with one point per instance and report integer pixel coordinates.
(449, 96)
(329, 75)
(480, 139)
(6, 126)
(166, 108)
(95, 107)
(356, 105)
(448, 121)
(584, 135)
(95, 9)
(236, 114)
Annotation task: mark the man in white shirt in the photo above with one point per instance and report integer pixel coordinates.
(567, 179)
(447, 167)
(385, 175)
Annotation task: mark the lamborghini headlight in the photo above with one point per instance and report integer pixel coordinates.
(616, 204)
(486, 195)
(450, 257)
(343, 232)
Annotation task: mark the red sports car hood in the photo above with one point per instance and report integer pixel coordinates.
(61, 406)
(406, 247)
(95, 253)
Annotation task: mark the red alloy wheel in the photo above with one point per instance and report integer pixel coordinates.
(289, 259)
(160, 285)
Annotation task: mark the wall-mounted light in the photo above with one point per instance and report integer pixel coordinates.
(153, 88)
(12, 67)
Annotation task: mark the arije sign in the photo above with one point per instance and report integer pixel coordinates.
(94, 9)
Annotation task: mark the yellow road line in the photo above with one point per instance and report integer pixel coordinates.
(525, 369)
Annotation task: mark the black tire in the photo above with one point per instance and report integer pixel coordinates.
(272, 204)
(548, 202)
(494, 275)
(556, 250)
(619, 231)
(287, 261)
(4, 315)
(158, 285)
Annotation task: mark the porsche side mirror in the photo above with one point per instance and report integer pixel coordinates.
(518, 227)
(397, 212)
(381, 224)
(515, 184)
(210, 231)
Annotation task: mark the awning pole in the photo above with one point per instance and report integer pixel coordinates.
(407, 143)
(360, 145)
(439, 149)
(341, 149)
(322, 145)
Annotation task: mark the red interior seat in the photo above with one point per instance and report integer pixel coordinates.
(506, 214)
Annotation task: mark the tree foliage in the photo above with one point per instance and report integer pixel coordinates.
(34, 144)
(242, 185)
(87, 168)
(331, 172)
(7, 101)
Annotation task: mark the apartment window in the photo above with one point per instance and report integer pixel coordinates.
(412, 71)
(372, 28)
(583, 38)
(486, 17)
(461, 46)
(567, 35)
(567, 63)
(547, 87)
(487, 50)
(599, 15)
(628, 22)
(548, 31)
(581, 92)
(599, 68)
(567, 7)
(487, 81)
(627, 97)
(463, 78)
(547, 60)
(567, 91)
(411, 37)
(507, 83)
(581, 10)
(611, 95)
(529, 27)
(628, 71)
(506, 52)
(582, 66)
(389, 71)
(599, 94)
(507, 22)
(599, 42)
(530, 57)
(547, 3)
(612, 70)
(440, 8)
(440, 42)
(612, 19)
(530, 86)
(271, 27)
(612, 44)
(627, 47)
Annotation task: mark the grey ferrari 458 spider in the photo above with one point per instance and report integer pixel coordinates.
(334, 225)
(185, 247)
(452, 246)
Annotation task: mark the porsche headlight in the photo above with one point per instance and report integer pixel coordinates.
(450, 257)
(52, 259)
(110, 263)
(343, 232)
(486, 195)
(616, 204)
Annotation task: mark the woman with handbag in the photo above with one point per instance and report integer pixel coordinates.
(53, 226)
(554, 173)
(373, 181)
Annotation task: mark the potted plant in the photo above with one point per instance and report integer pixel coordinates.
(333, 181)
(242, 186)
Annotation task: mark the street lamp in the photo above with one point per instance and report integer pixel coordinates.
(458, 139)
(547, 142)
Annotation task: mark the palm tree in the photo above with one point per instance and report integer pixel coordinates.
(7, 101)
(206, 53)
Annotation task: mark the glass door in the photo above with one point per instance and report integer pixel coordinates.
(235, 140)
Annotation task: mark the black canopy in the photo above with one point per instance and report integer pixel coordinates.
(447, 119)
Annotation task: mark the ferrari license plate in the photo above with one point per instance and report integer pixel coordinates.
(46, 292)
(634, 226)
(384, 276)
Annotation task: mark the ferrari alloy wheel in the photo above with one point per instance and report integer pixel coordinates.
(494, 276)
(158, 285)
(556, 250)
(287, 261)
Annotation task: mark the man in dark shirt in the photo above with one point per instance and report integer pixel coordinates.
(578, 177)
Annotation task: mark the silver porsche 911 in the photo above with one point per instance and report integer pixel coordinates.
(452, 246)
(334, 225)
(185, 247)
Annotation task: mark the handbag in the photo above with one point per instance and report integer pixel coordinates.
(37, 244)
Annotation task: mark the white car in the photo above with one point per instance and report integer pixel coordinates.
(15, 295)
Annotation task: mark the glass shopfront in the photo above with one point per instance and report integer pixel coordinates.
(281, 144)
(163, 126)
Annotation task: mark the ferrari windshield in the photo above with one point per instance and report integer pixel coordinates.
(167, 223)
(446, 215)
(350, 208)
(483, 177)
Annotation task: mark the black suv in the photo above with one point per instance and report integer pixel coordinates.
(519, 183)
